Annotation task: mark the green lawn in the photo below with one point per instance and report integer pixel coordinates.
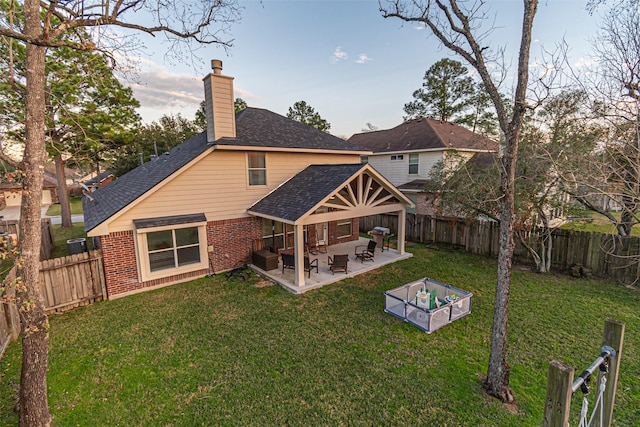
(76, 207)
(61, 236)
(598, 223)
(212, 352)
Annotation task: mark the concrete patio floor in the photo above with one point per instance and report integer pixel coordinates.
(324, 276)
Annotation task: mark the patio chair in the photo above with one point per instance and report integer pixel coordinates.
(310, 265)
(338, 263)
(288, 261)
(366, 253)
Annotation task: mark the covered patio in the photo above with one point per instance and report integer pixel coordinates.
(324, 276)
(323, 193)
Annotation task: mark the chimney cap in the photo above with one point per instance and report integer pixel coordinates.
(216, 65)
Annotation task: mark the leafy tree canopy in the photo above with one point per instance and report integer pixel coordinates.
(304, 113)
(450, 94)
(158, 137)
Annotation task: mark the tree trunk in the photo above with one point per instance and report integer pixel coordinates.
(63, 195)
(497, 382)
(632, 184)
(34, 408)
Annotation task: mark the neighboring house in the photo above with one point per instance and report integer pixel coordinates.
(252, 177)
(406, 154)
(12, 191)
(96, 181)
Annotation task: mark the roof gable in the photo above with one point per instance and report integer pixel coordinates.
(335, 187)
(115, 196)
(423, 134)
(255, 128)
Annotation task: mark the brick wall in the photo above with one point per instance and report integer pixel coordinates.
(427, 204)
(120, 269)
(333, 232)
(232, 241)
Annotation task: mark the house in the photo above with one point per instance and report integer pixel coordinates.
(94, 181)
(12, 192)
(406, 154)
(254, 176)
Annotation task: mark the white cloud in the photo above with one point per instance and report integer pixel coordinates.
(363, 58)
(339, 55)
(165, 91)
(584, 62)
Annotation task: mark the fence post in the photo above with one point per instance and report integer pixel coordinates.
(558, 401)
(613, 337)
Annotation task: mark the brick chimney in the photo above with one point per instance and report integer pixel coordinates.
(219, 107)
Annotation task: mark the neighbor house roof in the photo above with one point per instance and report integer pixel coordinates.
(254, 128)
(305, 190)
(415, 186)
(48, 181)
(423, 134)
(96, 180)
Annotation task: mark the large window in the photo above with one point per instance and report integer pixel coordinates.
(257, 169)
(173, 248)
(279, 235)
(413, 163)
(344, 228)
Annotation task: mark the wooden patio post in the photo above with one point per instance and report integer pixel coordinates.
(402, 225)
(298, 236)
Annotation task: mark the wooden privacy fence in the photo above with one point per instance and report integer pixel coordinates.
(48, 241)
(605, 255)
(65, 283)
(9, 322)
(72, 281)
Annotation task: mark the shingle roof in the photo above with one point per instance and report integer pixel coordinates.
(254, 128)
(415, 185)
(96, 180)
(111, 198)
(305, 190)
(422, 134)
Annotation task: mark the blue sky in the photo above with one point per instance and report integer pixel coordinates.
(341, 57)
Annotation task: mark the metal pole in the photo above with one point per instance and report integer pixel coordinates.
(606, 352)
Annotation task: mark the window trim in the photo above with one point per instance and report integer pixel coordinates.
(249, 169)
(142, 252)
(416, 163)
(344, 222)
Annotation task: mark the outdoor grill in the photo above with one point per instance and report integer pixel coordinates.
(378, 234)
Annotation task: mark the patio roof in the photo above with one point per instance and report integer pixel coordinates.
(322, 193)
(331, 192)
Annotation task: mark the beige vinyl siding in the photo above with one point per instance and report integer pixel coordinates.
(221, 118)
(454, 159)
(397, 171)
(218, 186)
